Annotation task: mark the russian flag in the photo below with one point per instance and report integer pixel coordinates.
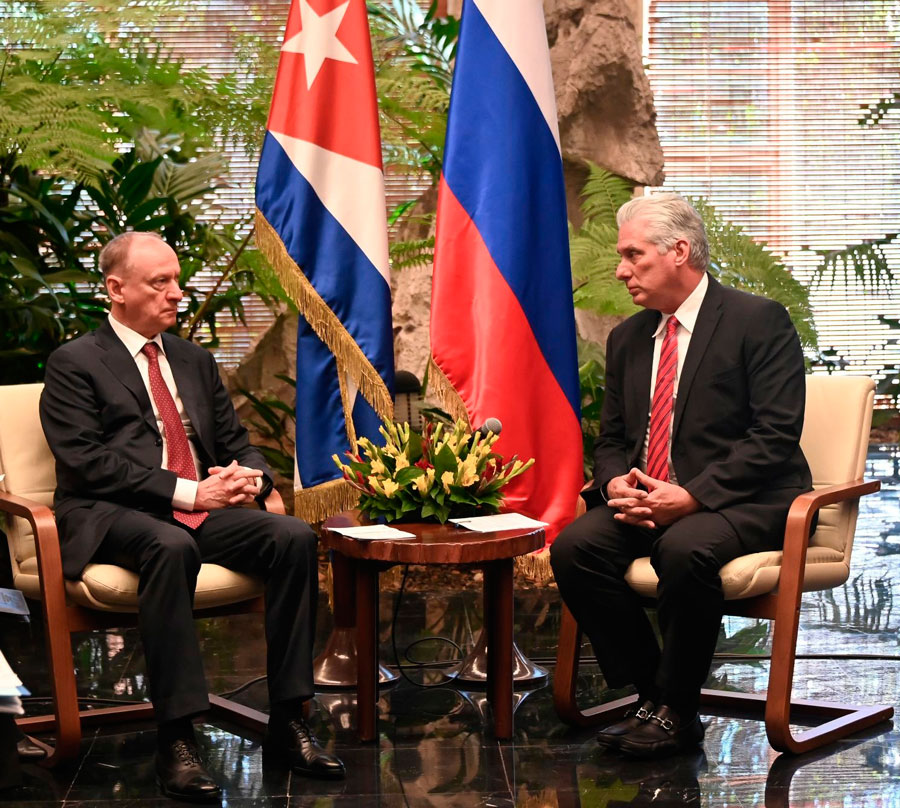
(321, 222)
(502, 316)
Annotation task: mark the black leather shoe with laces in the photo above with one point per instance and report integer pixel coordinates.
(663, 733)
(180, 773)
(293, 742)
(611, 736)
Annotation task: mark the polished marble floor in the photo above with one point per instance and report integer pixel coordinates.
(435, 749)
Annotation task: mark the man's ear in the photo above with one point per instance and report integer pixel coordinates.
(114, 288)
(682, 249)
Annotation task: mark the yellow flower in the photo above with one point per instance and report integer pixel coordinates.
(423, 483)
(378, 467)
(402, 462)
(447, 480)
(390, 488)
(468, 474)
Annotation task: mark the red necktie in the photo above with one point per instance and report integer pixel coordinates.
(178, 457)
(661, 408)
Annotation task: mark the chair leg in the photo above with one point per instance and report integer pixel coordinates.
(841, 719)
(777, 705)
(66, 722)
(242, 716)
(565, 681)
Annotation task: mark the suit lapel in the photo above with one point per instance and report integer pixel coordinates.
(707, 319)
(189, 388)
(121, 364)
(640, 361)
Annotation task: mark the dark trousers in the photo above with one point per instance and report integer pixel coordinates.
(167, 556)
(589, 560)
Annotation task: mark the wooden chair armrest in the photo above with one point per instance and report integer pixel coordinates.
(46, 545)
(806, 506)
(796, 541)
(43, 525)
(273, 503)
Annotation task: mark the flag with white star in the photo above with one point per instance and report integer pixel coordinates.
(321, 222)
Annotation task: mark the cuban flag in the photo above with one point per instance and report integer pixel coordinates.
(321, 222)
(502, 316)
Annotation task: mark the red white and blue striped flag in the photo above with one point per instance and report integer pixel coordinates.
(502, 316)
(321, 222)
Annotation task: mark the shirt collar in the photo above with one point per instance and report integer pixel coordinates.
(687, 312)
(133, 341)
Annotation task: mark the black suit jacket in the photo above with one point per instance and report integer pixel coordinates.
(98, 420)
(738, 413)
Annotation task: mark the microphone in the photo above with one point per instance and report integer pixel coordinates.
(490, 425)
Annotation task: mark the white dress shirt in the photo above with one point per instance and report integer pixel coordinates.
(185, 490)
(687, 319)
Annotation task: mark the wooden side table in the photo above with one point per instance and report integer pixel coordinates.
(435, 545)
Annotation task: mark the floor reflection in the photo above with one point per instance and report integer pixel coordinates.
(434, 747)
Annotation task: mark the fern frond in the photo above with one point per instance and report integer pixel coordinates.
(604, 193)
(405, 254)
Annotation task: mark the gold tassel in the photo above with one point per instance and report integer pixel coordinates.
(324, 321)
(449, 399)
(321, 501)
(535, 567)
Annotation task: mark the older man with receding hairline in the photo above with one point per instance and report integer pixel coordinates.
(152, 465)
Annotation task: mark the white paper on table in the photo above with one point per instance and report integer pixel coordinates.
(498, 521)
(373, 532)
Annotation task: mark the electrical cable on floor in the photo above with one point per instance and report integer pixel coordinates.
(241, 688)
(435, 664)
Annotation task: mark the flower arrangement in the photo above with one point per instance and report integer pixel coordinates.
(446, 470)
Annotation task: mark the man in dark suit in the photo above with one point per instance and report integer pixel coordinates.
(697, 463)
(152, 465)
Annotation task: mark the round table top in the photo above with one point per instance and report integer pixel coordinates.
(433, 543)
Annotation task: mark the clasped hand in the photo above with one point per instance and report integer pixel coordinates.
(659, 505)
(227, 486)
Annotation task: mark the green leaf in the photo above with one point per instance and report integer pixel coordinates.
(407, 475)
(444, 461)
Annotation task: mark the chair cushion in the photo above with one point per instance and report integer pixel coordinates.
(110, 588)
(754, 574)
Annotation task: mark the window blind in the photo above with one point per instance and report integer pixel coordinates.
(759, 108)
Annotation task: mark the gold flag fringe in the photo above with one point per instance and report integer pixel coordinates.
(535, 566)
(321, 501)
(323, 320)
(449, 399)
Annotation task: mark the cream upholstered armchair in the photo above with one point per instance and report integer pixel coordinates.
(105, 596)
(770, 585)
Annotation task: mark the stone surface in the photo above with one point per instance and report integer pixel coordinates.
(604, 101)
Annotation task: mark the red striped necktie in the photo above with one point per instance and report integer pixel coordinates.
(663, 402)
(178, 451)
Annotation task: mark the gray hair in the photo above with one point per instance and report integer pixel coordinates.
(669, 218)
(114, 256)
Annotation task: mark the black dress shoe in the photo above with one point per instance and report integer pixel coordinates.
(611, 736)
(181, 776)
(662, 734)
(29, 751)
(293, 742)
